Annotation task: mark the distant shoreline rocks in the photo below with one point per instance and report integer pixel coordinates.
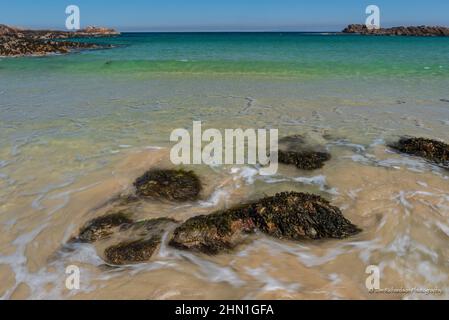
(416, 31)
(16, 42)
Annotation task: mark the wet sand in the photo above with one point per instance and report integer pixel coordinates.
(401, 203)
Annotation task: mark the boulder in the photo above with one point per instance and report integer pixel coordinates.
(131, 252)
(287, 215)
(431, 150)
(102, 227)
(299, 216)
(294, 150)
(147, 238)
(216, 232)
(173, 185)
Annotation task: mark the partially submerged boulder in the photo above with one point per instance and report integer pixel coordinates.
(289, 215)
(215, 232)
(147, 236)
(432, 150)
(294, 150)
(102, 227)
(304, 160)
(131, 252)
(173, 185)
(299, 216)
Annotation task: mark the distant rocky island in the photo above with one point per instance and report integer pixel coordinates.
(418, 31)
(16, 42)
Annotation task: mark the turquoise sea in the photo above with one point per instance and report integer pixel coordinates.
(75, 130)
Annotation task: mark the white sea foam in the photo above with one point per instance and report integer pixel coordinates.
(270, 283)
(217, 196)
(214, 272)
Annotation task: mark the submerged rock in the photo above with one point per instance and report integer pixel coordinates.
(294, 150)
(149, 235)
(432, 150)
(289, 215)
(102, 227)
(215, 232)
(174, 185)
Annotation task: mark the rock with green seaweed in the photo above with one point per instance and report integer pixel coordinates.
(431, 150)
(287, 215)
(102, 227)
(216, 232)
(146, 237)
(173, 185)
(295, 150)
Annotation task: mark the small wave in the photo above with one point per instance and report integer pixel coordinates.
(215, 198)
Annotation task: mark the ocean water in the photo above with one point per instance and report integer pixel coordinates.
(75, 130)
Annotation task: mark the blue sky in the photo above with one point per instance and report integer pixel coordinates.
(214, 15)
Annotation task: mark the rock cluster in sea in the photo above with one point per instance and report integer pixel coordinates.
(286, 215)
(419, 31)
(293, 216)
(17, 42)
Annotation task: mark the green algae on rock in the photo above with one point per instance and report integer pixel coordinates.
(102, 227)
(431, 150)
(174, 185)
(287, 215)
(215, 232)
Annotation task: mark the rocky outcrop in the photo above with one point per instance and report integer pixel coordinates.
(294, 150)
(90, 31)
(18, 42)
(434, 151)
(96, 32)
(418, 31)
(173, 185)
(287, 215)
(4, 29)
(11, 46)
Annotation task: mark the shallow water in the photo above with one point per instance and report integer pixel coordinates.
(76, 130)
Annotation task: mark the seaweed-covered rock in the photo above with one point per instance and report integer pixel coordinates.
(131, 252)
(174, 185)
(304, 160)
(215, 232)
(289, 215)
(432, 150)
(294, 150)
(102, 227)
(149, 235)
(298, 216)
